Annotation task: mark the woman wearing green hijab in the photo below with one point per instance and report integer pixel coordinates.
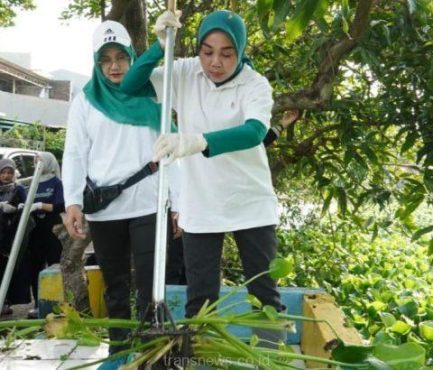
(223, 110)
(110, 137)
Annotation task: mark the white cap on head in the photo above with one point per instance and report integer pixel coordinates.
(110, 31)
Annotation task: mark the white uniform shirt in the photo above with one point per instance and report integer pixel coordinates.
(231, 191)
(109, 153)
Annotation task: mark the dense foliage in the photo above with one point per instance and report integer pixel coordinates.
(35, 136)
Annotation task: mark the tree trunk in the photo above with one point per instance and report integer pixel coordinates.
(72, 268)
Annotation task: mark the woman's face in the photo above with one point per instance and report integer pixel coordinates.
(114, 64)
(7, 175)
(218, 56)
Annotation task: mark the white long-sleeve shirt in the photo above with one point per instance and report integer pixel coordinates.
(232, 191)
(109, 153)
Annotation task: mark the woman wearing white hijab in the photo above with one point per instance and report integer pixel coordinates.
(44, 247)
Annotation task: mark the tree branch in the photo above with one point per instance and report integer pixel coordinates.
(318, 95)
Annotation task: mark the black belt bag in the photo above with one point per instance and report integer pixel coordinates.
(97, 198)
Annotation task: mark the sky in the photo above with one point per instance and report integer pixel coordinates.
(53, 44)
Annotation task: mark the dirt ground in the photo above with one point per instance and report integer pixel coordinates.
(19, 312)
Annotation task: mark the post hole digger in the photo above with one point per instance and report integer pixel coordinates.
(158, 311)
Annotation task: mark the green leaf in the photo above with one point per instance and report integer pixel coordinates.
(350, 353)
(254, 340)
(281, 9)
(420, 232)
(415, 202)
(409, 142)
(374, 307)
(400, 327)
(383, 337)
(426, 330)
(264, 8)
(253, 301)
(371, 155)
(281, 267)
(342, 200)
(400, 355)
(303, 14)
(430, 248)
(270, 312)
(88, 340)
(326, 203)
(409, 308)
(387, 319)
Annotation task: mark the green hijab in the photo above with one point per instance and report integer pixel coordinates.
(234, 27)
(122, 108)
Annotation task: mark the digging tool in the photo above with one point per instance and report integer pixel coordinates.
(159, 308)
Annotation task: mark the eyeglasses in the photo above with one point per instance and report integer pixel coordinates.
(121, 59)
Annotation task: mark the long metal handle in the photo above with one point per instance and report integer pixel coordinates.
(162, 215)
(19, 235)
(171, 5)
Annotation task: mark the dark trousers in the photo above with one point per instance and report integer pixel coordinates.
(114, 241)
(175, 273)
(257, 248)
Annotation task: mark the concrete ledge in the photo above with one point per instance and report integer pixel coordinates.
(317, 338)
(51, 293)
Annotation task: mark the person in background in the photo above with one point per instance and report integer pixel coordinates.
(223, 111)
(110, 137)
(11, 195)
(44, 247)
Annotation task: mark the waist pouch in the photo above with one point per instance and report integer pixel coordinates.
(97, 198)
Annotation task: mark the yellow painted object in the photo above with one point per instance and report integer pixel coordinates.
(317, 337)
(51, 292)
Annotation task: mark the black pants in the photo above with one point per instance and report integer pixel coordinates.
(113, 242)
(175, 273)
(257, 248)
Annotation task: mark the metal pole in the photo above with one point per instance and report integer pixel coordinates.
(162, 215)
(19, 235)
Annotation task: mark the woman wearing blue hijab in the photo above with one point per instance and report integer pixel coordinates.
(223, 110)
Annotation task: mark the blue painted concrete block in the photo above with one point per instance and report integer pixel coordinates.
(292, 298)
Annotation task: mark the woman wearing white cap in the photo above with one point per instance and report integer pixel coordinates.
(110, 136)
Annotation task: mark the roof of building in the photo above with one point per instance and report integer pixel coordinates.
(14, 71)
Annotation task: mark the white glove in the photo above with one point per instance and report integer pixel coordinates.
(36, 206)
(167, 19)
(7, 208)
(20, 206)
(178, 145)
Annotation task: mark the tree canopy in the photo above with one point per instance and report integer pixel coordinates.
(360, 70)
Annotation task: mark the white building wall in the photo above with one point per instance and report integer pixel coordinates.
(49, 112)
